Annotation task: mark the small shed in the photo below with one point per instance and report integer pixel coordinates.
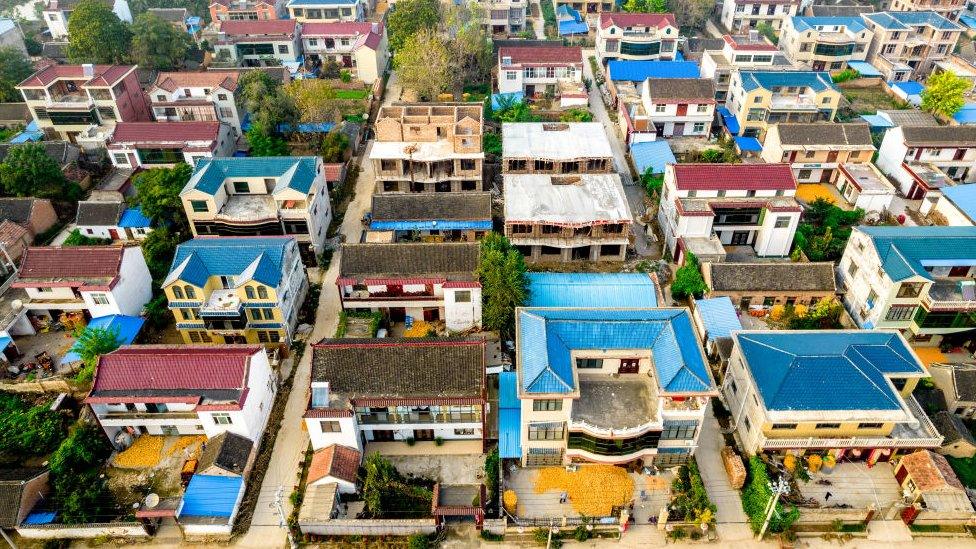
(210, 504)
(509, 417)
(716, 319)
(335, 464)
(653, 155)
(125, 327)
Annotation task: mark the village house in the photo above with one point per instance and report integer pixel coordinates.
(958, 385)
(556, 71)
(360, 48)
(328, 11)
(705, 207)
(257, 43)
(957, 440)
(760, 99)
(237, 289)
(907, 44)
(816, 151)
(428, 147)
(636, 36)
(432, 282)
(625, 78)
(185, 96)
(764, 285)
(590, 9)
(417, 392)
(950, 9)
(594, 386)
(244, 10)
(856, 401)
(335, 464)
(183, 390)
(864, 186)
(914, 279)
(227, 454)
(740, 52)
(592, 290)
(261, 196)
(21, 489)
(670, 107)
(110, 217)
(37, 215)
(825, 43)
(165, 144)
(430, 217)
(909, 154)
(539, 148)
(741, 15)
(505, 16)
(68, 99)
(930, 485)
(177, 17)
(958, 205)
(57, 12)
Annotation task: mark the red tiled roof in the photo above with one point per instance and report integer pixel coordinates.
(623, 20)
(333, 171)
(259, 27)
(97, 264)
(171, 81)
(756, 177)
(542, 54)
(11, 232)
(165, 132)
(343, 28)
(744, 44)
(103, 75)
(174, 367)
(341, 462)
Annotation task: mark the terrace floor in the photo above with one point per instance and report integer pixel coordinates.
(615, 403)
(854, 484)
(454, 470)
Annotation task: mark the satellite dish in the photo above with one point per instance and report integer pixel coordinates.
(152, 500)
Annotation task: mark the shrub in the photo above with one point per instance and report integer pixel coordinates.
(439, 441)
(418, 541)
(845, 75)
(756, 495)
(411, 441)
(688, 280)
(28, 430)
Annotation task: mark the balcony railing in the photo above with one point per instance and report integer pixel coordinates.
(950, 295)
(794, 102)
(151, 415)
(390, 296)
(398, 419)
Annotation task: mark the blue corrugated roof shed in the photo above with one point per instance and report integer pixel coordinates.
(864, 68)
(652, 154)
(509, 416)
(211, 496)
(907, 20)
(573, 27)
(547, 338)
(964, 198)
(41, 517)
(4, 341)
(906, 251)
(718, 316)
(877, 122)
(133, 218)
(747, 144)
(968, 21)
(729, 120)
(247, 258)
(638, 71)
(125, 327)
(828, 370)
(966, 115)
(909, 88)
(608, 290)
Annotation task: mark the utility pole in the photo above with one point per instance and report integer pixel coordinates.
(780, 487)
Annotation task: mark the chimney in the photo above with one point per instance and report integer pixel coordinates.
(88, 70)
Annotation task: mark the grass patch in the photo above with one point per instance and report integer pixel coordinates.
(922, 528)
(965, 469)
(871, 100)
(352, 94)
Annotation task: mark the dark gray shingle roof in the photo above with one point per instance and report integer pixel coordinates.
(825, 134)
(951, 427)
(431, 206)
(99, 214)
(227, 451)
(940, 135)
(17, 210)
(779, 277)
(681, 88)
(965, 381)
(11, 492)
(453, 260)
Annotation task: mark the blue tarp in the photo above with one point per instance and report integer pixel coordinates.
(966, 115)
(678, 56)
(211, 496)
(652, 154)
(133, 218)
(573, 27)
(729, 119)
(4, 341)
(128, 328)
(509, 417)
(719, 316)
(307, 127)
(877, 122)
(499, 100)
(30, 133)
(438, 225)
(864, 68)
(638, 71)
(748, 144)
(968, 20)
(41, 517)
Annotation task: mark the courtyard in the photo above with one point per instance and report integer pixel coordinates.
(854, 484)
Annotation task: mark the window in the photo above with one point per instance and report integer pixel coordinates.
(464, 432)
(177, 292)
(199, 206)
(222, 419)
(546, 431)
(548, 405)
(733, 386)
(320, 397)
(870, 425)
(511, 75)
(190, 292)
(699, 127)
(828, 426)
(282, 48)
(910, 289)
(679, 430)
(782, 222)
(745, 421)
(900, 312)
(468, 164)
(804, 174)
(99, 299)
(262, 292)
(241, 187)
(589, 363)
(852, 269)
(249, 292)
(702, 108)
(660, 108)
(463, 296)
(784, 426)
(330, 426)
(120, 158)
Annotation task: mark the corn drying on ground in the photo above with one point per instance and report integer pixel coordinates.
(145, 452)
(192, 442)
(809, 192)
(615, 487)
(419, 329)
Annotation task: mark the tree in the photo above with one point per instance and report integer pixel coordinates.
(78, 492)
(29, 171)
(28, 430)
(468, 46)
(690, 13)
(943, 94)
(576, 114)
(422, 64)
(646, 6)
(315, 100)
(96, 35)
(767, 30)
(503, 281)
(75, 238)
(518, 112)
(263, 97)
(92, 343)
(158, 194)
(330, 69)
(334, 146)
(264, 143)
(688, 280)
(158, 248)
(156, 44)
(408, 18)
(14, 68)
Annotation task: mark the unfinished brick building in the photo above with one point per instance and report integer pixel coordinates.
(430, 147)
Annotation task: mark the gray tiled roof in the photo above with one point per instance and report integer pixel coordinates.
(227, 451)
(17, 210)
(937, 135)
(431, 206)
(779, 277)
(951, 427)
(99, 214)
(406, 260)
(12, 491)
(825, 134)
(681, 88)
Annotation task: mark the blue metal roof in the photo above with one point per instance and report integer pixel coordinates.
(964, 198)
(308, 127)
(966, 115)
(638, 71)
(877, 121)
(438, 224)
(211, 496)
(248, 258)
(729, 120)
(509, 416)
(125, 327)
(606, 290)
(747, 144)
(910, 88)
(719, 316)
(827, 370)
(767, 80)
(133, 218)
(503, 100)
(547, 338)
(968, 20)
(906, 20)
(4, 341)
(573, 27)
(906, 251)
(294, 172)
(802, 23)
(322, 2)
(652, 154)
(864, 68)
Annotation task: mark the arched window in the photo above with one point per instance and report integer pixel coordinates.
(262, 292)
(177, 292)
(191, 293)
(249, 291)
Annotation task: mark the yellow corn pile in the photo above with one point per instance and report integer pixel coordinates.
(510, 501)
(419, 329)
(145, 452)
(615, 487)
(182, 443)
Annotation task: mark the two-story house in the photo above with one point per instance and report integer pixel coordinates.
(636, 36)
(848, 392)
(906, 152)
(673, 107)
(759, 99)
(589, 9)
(98, 280)
(261, 196)
(505, 16)
(325, 11)
(429, 281)
(705, 207)
(914, 279)
(543, 70)
(68, 99)
(742, 52)
(245, 10)
(256, 43)
(183, 390)
(236, 289)
(165, 144)
(429, 217)
(950, 9)
(186, 96)
(57, 12)
(907, 43)
(360, 48)
(428, 147)
(816, 151)
(741, 15)
(825, 43)
(609, 386)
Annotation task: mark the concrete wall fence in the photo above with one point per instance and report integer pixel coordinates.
(368, 527)
(83, 531)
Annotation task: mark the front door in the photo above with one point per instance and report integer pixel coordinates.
(423, 434)
(113, 234)
(740, 238)
(679, 129)
(959, 271)
(628, 366)
(819, 65)
(382, 435)
(431, 314)
(397, 314)
(744, 303)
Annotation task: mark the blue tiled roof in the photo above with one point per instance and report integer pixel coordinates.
(964, 198)
(802, 23)
(817, 81)
(828, 370)
(248, 258)
(966, 115)
(133, 218)
(910, 87)
(547, 338)
(439, 224)
(719, 316)
(638, 71)
(729, 120)
(211, 496)
(652, 154)
(906, 20)
(906, 251)
(295, 172)
(606, 290)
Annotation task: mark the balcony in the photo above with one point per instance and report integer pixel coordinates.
(951, 295)
(70, 101)
(613, 406)
(149, 415)
(223, 304)
(366, 295)
(793, 102)
(248, 208)
(416, 418)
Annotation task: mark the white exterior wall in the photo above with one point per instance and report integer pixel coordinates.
(891, 154)
(57, 23)
(197, 93)
(104, 231)
(349, 436)
(133, 290)
(225, 146)
(37, 298)
(776, 242)
(736, 21)
(952, 213)
(462, 315)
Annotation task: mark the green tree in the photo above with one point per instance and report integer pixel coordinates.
(767, 30)
(29, 171)
(264, 143)
(422, 64)
(315, 99)
(635, 6)
(491, 143)
(503, 281)
(469, 51)
(14, 68)
(92, 343)
(943, 94)
(264, 98)
(75, 238)
(334, 146)
(96, 35)
(518, 112)
(576, 114)
(690, 14)
(158, 194)
(156, 44)
(28, 430)
(688, 280)
(158, 248)
(410, 17)
(78, 492)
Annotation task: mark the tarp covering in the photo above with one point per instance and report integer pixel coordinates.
(652, 154)
(438, 225)
(966, 115)
(128, 328)
(729, 119)
(509, 417)
(502, 100)
(133, 218)
(30, 133)
(572, 27)
(40, 517)
(4, 341)
(211, 496)
(308, 127)
(639, 71)
(876, 121)
(864, 68)
(748, 144)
